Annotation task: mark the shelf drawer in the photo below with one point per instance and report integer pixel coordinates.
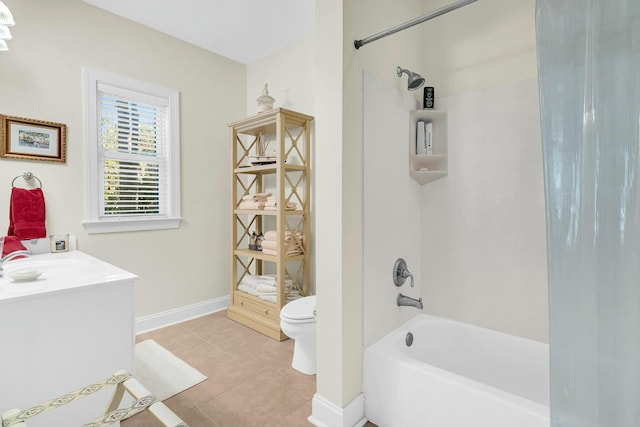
(255, 305)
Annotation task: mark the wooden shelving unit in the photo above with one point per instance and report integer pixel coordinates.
(287, 179)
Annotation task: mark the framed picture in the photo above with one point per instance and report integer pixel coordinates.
(31, 139)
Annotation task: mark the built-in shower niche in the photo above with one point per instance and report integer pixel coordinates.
(425, 168)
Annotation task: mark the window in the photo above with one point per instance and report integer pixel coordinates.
(132, 139)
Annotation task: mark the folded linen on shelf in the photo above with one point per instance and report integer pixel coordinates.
(250, 281)
(248, 289)
(274, 298)
(268, 289)
(288, 235)
(290, 252)
(248, 204)
(273, 245)
(258, 197)
(273, 207)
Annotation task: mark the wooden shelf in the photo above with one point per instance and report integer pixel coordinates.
(273, 258)
(265, 212)
(290, 132)
(266, 169)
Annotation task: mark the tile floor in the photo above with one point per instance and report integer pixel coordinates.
(250, 379)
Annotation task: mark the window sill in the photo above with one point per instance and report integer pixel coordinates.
(121, 225)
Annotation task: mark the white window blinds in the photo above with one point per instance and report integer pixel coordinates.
(133, 154)
(132, 150)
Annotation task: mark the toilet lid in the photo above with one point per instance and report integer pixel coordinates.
(299, 309)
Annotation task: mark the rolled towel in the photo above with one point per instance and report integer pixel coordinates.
(289, 235)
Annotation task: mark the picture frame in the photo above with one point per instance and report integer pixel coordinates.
(32, 139)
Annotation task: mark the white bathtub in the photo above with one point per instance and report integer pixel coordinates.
(456, 375)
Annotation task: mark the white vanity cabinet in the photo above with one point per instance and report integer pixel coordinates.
(70, 328)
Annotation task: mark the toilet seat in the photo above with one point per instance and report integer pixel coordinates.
(299, 310)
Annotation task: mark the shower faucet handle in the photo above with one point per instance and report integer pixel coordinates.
(401, 272)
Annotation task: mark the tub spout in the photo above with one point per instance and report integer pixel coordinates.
(404, 300)
(11, 256)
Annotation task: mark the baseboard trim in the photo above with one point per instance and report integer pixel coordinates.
(180, 314)
(325, 414)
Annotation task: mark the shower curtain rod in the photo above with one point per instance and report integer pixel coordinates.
(415, 21)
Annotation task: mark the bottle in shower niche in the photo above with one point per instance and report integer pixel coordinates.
(421, 146)
(428, 138)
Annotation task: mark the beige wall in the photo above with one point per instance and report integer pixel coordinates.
(483, 44)
(290, 74)
(339, 174)
(41, 77)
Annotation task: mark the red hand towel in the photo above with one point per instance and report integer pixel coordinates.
(27, 214)
(11, 244)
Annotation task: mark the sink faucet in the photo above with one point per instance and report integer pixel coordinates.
(404, 300)
(10, 256)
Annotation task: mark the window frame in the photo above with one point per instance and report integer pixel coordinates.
(96, 222)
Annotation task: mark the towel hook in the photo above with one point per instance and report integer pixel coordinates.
(27, 176)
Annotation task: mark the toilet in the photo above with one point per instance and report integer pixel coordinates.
(298, 322)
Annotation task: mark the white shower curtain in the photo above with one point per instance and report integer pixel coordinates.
(589, 80)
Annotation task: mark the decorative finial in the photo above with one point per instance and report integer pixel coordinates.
(265, 102)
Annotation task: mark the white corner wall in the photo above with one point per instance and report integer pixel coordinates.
(483, 226)
(392, 208)
(41, 78)
(484, 251)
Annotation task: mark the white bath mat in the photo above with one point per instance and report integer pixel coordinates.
(163, 373)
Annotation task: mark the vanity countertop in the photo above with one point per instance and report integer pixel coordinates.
(60, 272)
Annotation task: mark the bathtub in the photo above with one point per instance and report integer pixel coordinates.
(455, 375)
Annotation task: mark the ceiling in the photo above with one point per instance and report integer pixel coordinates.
(243, 30)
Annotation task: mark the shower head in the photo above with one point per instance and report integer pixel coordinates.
(415, 80)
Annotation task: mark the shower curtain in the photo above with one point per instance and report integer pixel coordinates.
(589, 83)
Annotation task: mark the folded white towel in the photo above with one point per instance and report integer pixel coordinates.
(290, 252)
(266, 289)
(288, 235)
(267, 279)
(246, 204)
(250, 280)
(248, 289)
